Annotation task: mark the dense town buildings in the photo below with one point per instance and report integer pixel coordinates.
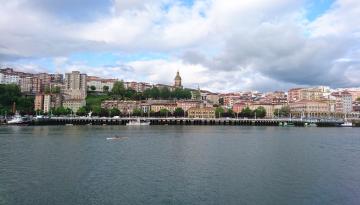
(53, 90)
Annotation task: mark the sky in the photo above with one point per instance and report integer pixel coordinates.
(221, 46)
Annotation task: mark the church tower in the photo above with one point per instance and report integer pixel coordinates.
(178, 80)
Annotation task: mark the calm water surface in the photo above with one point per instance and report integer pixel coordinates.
(179, 165)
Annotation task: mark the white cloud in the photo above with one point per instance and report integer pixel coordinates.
(222, 45)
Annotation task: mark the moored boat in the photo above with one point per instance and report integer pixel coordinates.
(137, 122)
(17, 120)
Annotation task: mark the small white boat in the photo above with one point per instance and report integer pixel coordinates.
(116, 138)
(347, 124)
(137, 122)
(69, 125)
(16, 120)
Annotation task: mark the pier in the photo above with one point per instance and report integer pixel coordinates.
(182, 121)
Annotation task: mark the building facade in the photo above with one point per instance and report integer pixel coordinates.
(74, 104)
(206, 112)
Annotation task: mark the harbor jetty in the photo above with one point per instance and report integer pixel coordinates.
(184, 121)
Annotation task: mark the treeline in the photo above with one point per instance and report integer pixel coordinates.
(103, 112)
(10, 95)
(259, 112)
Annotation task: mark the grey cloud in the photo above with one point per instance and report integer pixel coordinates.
(79, 10)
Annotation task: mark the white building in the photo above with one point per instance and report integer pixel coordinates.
(99, 83)
(9, 79)
(74, 104)
(47, 103)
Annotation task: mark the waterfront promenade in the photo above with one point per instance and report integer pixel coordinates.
(182, 121)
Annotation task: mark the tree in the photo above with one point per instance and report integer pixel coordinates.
(130, 93)
(96, 110)
(92, 88)
(179, 112)
(155, 93)
(118, 89)
(230, 113)
(106, 88)
(164, 112)
(104, 112)
(260, 112)
(219, 112)
(137, 112)
(358, 99)
(282, 112)
(165, 93)
(114, 112)
(246, 112)
(82, 111)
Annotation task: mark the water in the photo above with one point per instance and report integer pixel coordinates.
(179, 165)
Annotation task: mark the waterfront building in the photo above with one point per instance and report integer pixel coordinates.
(238, 107)
(74, 104)
(187, 104)
(310, 108)
(39, 102)
(47, 103)
(177, 80)
(205, 112)
(343, 102)
(156, 107)
(125, 107)
(269, 107)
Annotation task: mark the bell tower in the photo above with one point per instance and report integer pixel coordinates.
(177, 80)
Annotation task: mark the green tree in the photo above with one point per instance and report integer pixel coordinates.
(246, 112)
(114, 112)
(137, 112)
(92, 88)
(230, 113)
(219, 112)
(106, 88)
(164, 112)
(282, 112)
(179, 112)
(358, 99)
(260, 112)
(82, 111)
(165, 93)
(147, 93)
(96, 110)
(118, 89)
(104, 112)
(155, 93)
(130, 93)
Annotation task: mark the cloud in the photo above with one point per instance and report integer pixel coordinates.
(221, 45)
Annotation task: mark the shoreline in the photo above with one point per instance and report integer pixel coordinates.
(69, 121)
